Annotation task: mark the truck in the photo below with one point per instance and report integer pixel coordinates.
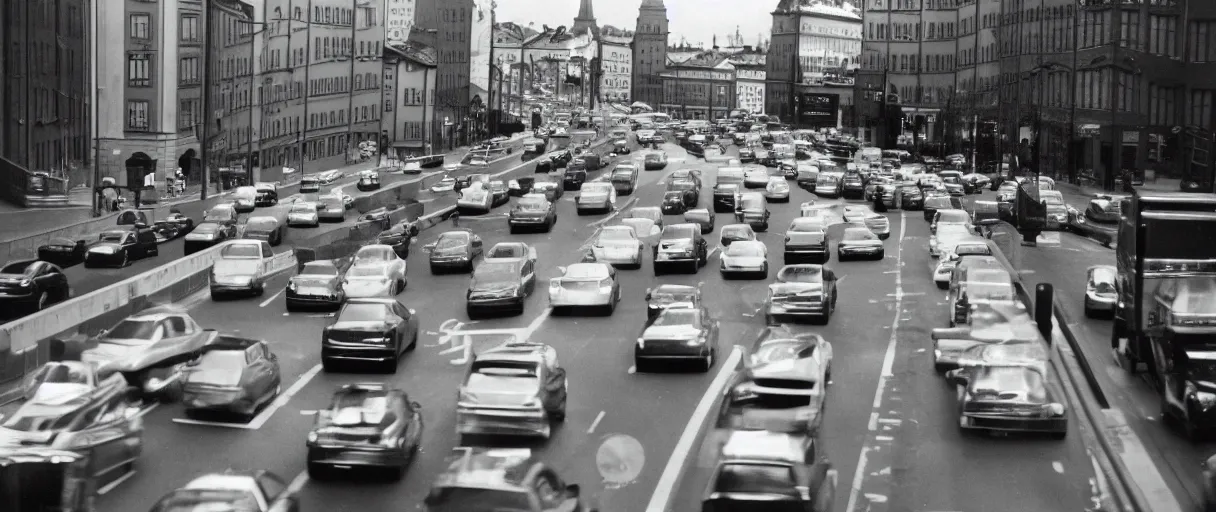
(1165, 315)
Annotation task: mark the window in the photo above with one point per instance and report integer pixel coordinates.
(187, 70)
(1201, 41)
(137, 115)
(1199, 108)
(1161, 105)
(1126, 92)
(139, 70)
(1129, 36)
(141, 26)
(188, 114)
(188, 29)
(1162, 39)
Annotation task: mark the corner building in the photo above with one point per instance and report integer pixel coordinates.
(650, 53)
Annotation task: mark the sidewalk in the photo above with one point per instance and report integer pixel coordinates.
(17, 222)
(1078, 196)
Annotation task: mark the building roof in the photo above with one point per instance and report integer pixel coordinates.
(824, 8)
(416, 51)
(654, 4)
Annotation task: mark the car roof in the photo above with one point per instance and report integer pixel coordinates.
(519, 351)
(388, 301)
(762, 445)
(486, 468)
(225, 342)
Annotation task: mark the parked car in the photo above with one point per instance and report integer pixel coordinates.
(28, 286)
(63, 252)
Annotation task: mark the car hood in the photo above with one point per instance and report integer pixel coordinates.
(670, 333)
(744, 261)
(59, 393)
(240, 268)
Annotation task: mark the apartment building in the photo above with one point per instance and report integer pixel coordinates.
(702, 87)
(44, 91)
(446, 26)
(812, 61)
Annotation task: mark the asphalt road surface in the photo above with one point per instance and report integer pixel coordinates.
(1062, 260)
(914, 457)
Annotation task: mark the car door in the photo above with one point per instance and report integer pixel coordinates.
(527, 277)
(267, 256)
(258, 374)
(408, 324)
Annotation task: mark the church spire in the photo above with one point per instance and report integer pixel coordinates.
(585, 21)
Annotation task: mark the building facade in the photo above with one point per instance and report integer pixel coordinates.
(44, 89)
(616, 68)
(531, 61)
(749, 80)
(702, 87)
(650, 53)
(409, 99)
(448, 25)
(812, 61)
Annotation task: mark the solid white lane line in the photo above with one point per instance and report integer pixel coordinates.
(598, 418)
(272, 298)
(285, 397)
(665, 489)
(297, 483)
(615, 212)
(888, 363)
(527, 332)
(112, 485)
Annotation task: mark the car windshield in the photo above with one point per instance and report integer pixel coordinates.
(363, 313)
(853, 235)
(504, 377)
(679, 317)
(112, 236)
(800, 275)
(207, 228)
(745, 250)
(375, 254)
(682, 185)
(61, 373)
(952, 217)
(995, 381)
(756, 479)
(219, 367)
(493, 272)
(208, 500)
(219, 213)
(452, 241)
(542, 186)
(319, 269)
(653, 157)
(533, 204)
(938, 203)
(616, 234)
(304, 208)
(241, 251)
(1052, 199)
(622, 172)
(41, 418)
(806, 225)
(736, 232)
(366, 271)
(332, 202)
(133, 330)
(359, 407)
(778, 350)
(17, 268)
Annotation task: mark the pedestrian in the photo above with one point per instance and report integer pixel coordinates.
(455, 218)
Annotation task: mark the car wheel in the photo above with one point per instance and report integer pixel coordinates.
(708, 362)
(413, 342)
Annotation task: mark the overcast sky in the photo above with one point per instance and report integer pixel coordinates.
(697, 20)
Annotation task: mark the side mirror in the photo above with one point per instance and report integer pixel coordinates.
(956, 377)
(323, 414)
(647, 295)
(574, 490)
(561, 269)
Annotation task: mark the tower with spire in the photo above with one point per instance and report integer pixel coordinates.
(649, 53)
(585, 21)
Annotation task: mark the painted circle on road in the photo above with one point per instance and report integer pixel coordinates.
(620, 459)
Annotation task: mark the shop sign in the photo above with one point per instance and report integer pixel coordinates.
(1088, 130)
(1131, 137)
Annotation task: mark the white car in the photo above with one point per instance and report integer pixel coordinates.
(807, 209)
(950, 258)
(754, 177)
(855, 214)
(331, 176)
(243, 267)
(376, 271)
(475, 199)
(303, 214)
(447, 184)
(245, 199)
(595, 196)
(745, 257)
(512, 251)
(777, 190)
(585, 285)
(643, 228)
(618, 246)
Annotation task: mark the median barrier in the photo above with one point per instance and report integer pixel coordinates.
(396, 193)
(1120, 487)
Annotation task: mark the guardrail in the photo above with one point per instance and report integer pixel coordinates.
(1115, 442)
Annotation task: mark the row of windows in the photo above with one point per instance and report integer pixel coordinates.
(139, 27)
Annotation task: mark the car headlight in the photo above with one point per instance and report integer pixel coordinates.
(1055, 409)
(641, 344)
(312, 437)
(1205, 398)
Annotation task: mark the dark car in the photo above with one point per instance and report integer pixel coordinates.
(233, 375)
(454, 250)
(680, 244)
(621, 147)
(318, 284)
(806, 241)
(267, 195)
(574, 178)
(554, 160)
(232, 490)
(747, 155)
(366, 425)
(654, 161)
(63, 252)
(399, 236)
(118, 247)
(668, 296)
(495, 479)
(673, 203)
(27, 286)
(368, 181)
(520, 187)
(208, 234)
(533, 211)
(911, 197)
(737, 233)
(268, 229)
(770, 471)
(500, 284)
(678, 334)
(690, 189)
(624, 178)
(499, 193)
(374, 330)
(854, 187)
(752, 208)
(588, 162)
(724, 197)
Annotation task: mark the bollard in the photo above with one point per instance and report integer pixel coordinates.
(1043, 309)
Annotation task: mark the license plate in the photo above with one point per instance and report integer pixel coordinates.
(581, 286)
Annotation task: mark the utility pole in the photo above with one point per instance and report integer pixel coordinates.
(307, 88)
(351, 142)
(92, 21)
(204, 147)
(493, 127)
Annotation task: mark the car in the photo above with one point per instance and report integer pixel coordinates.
(911, 197)
(755, 177)
(554, 160)
(533, 146)
(310, 184)
(801, 291)
(209, 234)
(654, 213)
(533, 211)
(584, 285)
(512, 251)
(242, 267)
(147, 348)
(366, 425)
(173, 226)
(724, 195)
(595, 197)
(456, 249)
(669, 296)
(948, 235)
(655, 161)
(369, 330)
(1100, 290)
(946, 264)
(678, 334)
(877, 223)
(330, 209)
(702, 218)
(66, 381)
(573, 178)
(445, 184)
(232, 375)
(853, 187)
(244, 199)
(979, 287)
(752, 208)
(520, 187)
(589, 161)
(552, 190)
(368, 181)
(499, 193)
(267, 194)
(63, 252)
(501, 284)
(29, 286)
(735, 233)
(621, 147)
(515, 389)
(118, 246)
(673, 203)
(486, 478)
(745, 258)
(859, 242)
(783, 386)
(1104, 209)
(255, 491)
(317, 284)
(777, 190)
(950, 216)
(375, 271)
(1006, 388)
(933, 204)
(975, 183)
(689, 189)
(747, 155)
(991, 324)
(806, 241)
(624, 178)
(761, 470)
(618, 246)
(680, 244)
(331, 176)
(264, 228)
(399, 236)
(62, 416)
(475, 199)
